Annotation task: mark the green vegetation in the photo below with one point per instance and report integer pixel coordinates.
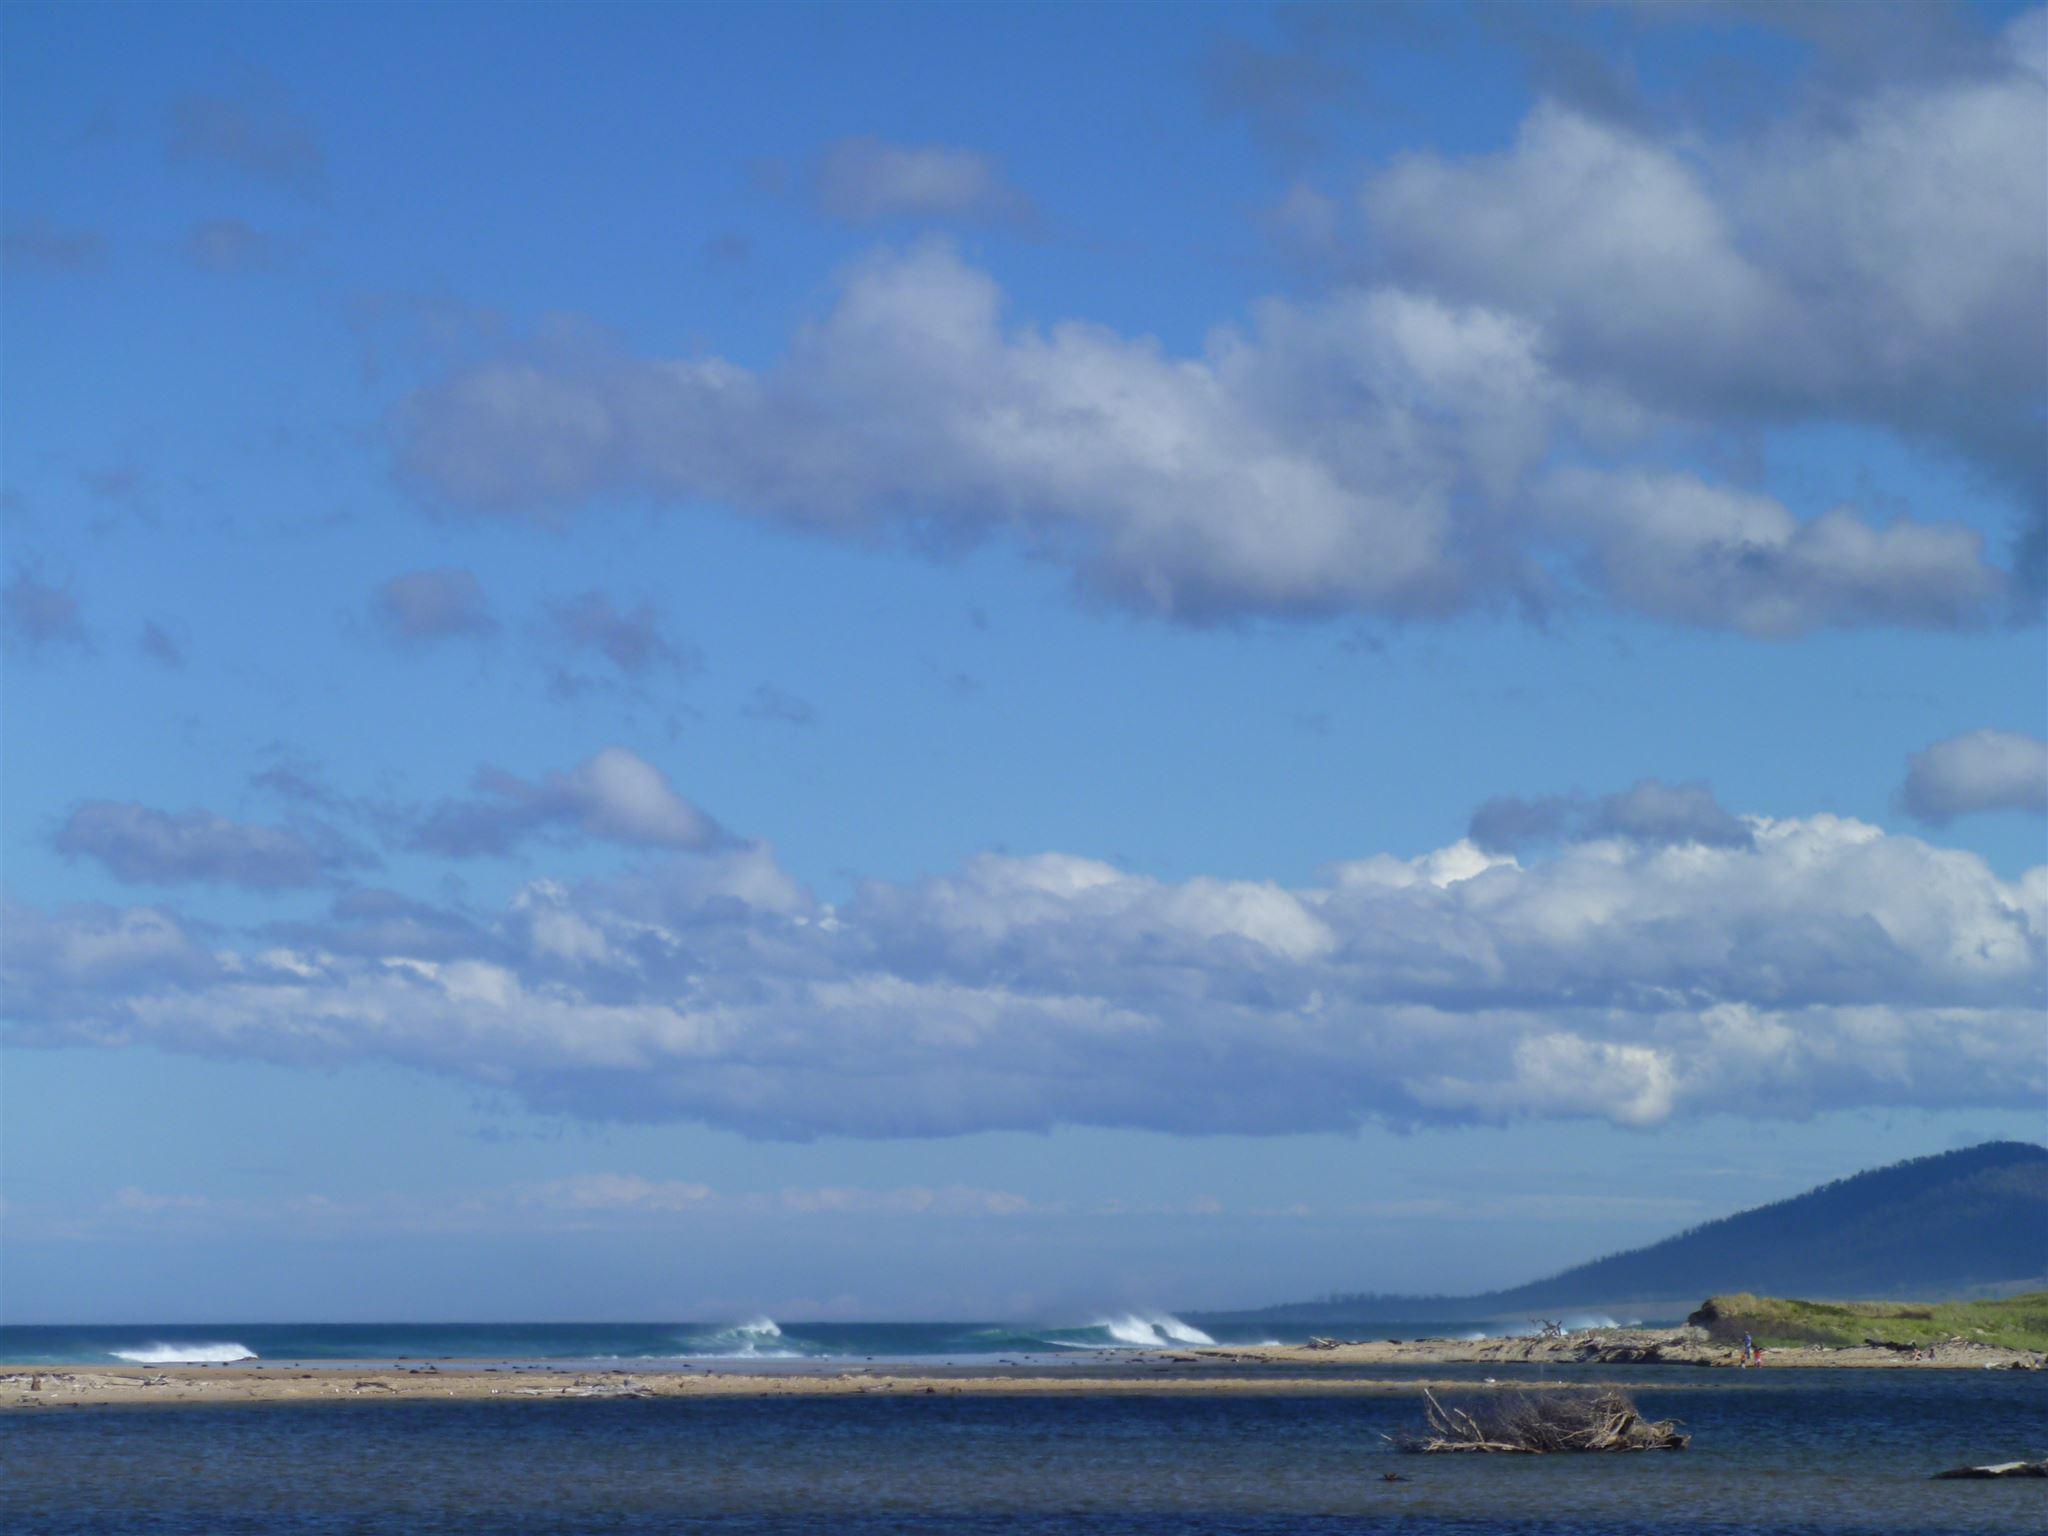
(2016, 1322)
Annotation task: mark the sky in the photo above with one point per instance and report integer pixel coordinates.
(664, 662)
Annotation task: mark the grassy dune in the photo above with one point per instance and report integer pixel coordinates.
(2016, 1322)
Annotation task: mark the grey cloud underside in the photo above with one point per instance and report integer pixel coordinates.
(614, 796)
(1978, 771)
(631, 645)
(633, 640)
(1474, 422)
(1820, 964)
(1648, 812)
(141, 845)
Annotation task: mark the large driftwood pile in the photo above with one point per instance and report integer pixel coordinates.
(1536, 1423)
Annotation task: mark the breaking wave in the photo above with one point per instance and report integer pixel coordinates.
(1157, 1330)
(762, 1338)
(759, 1338)
(184, 1354)
(1122, 1330)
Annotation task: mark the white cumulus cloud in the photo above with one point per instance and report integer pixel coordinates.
(1884, 261)
(1380, 450)
(1628, 975)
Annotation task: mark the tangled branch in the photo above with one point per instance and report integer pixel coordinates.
(1536, 1424)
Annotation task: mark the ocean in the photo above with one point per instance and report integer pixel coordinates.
(1793, 1453)
(754, 1340)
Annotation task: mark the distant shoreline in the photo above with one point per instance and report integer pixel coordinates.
(1632, 1346)
(1329, 1369)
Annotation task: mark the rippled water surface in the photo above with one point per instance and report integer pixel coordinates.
(1785, 1452)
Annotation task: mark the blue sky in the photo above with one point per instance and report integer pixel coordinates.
(969, 661)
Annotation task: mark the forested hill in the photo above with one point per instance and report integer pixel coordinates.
(1932, 1227)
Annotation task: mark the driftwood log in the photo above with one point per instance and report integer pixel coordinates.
(2000, 1469)
(1536, 1424)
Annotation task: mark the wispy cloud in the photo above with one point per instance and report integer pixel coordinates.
(633, 644)
(142, 845)
(767, 702)
(420, 607)
(37, 245)
(161, 645)
(257, 135)
(39, 619)
(228, 245)
(869, 180)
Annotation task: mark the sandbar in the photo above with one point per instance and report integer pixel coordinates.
(1326, 1367)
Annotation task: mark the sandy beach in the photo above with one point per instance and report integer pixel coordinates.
(30, 1390)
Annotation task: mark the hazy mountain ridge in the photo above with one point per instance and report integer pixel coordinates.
(1945, 1225)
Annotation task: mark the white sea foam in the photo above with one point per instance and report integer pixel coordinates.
(1571, 1322)
(174, 1353)
(1153, 1330)
(1579, 1322)
(752, 1340)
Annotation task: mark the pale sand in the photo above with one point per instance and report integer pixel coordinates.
(27, 1388)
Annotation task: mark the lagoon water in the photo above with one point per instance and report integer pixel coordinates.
(1789, 1451)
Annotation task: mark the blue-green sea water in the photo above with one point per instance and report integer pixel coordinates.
(1794, 1452)
(754, 1339)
